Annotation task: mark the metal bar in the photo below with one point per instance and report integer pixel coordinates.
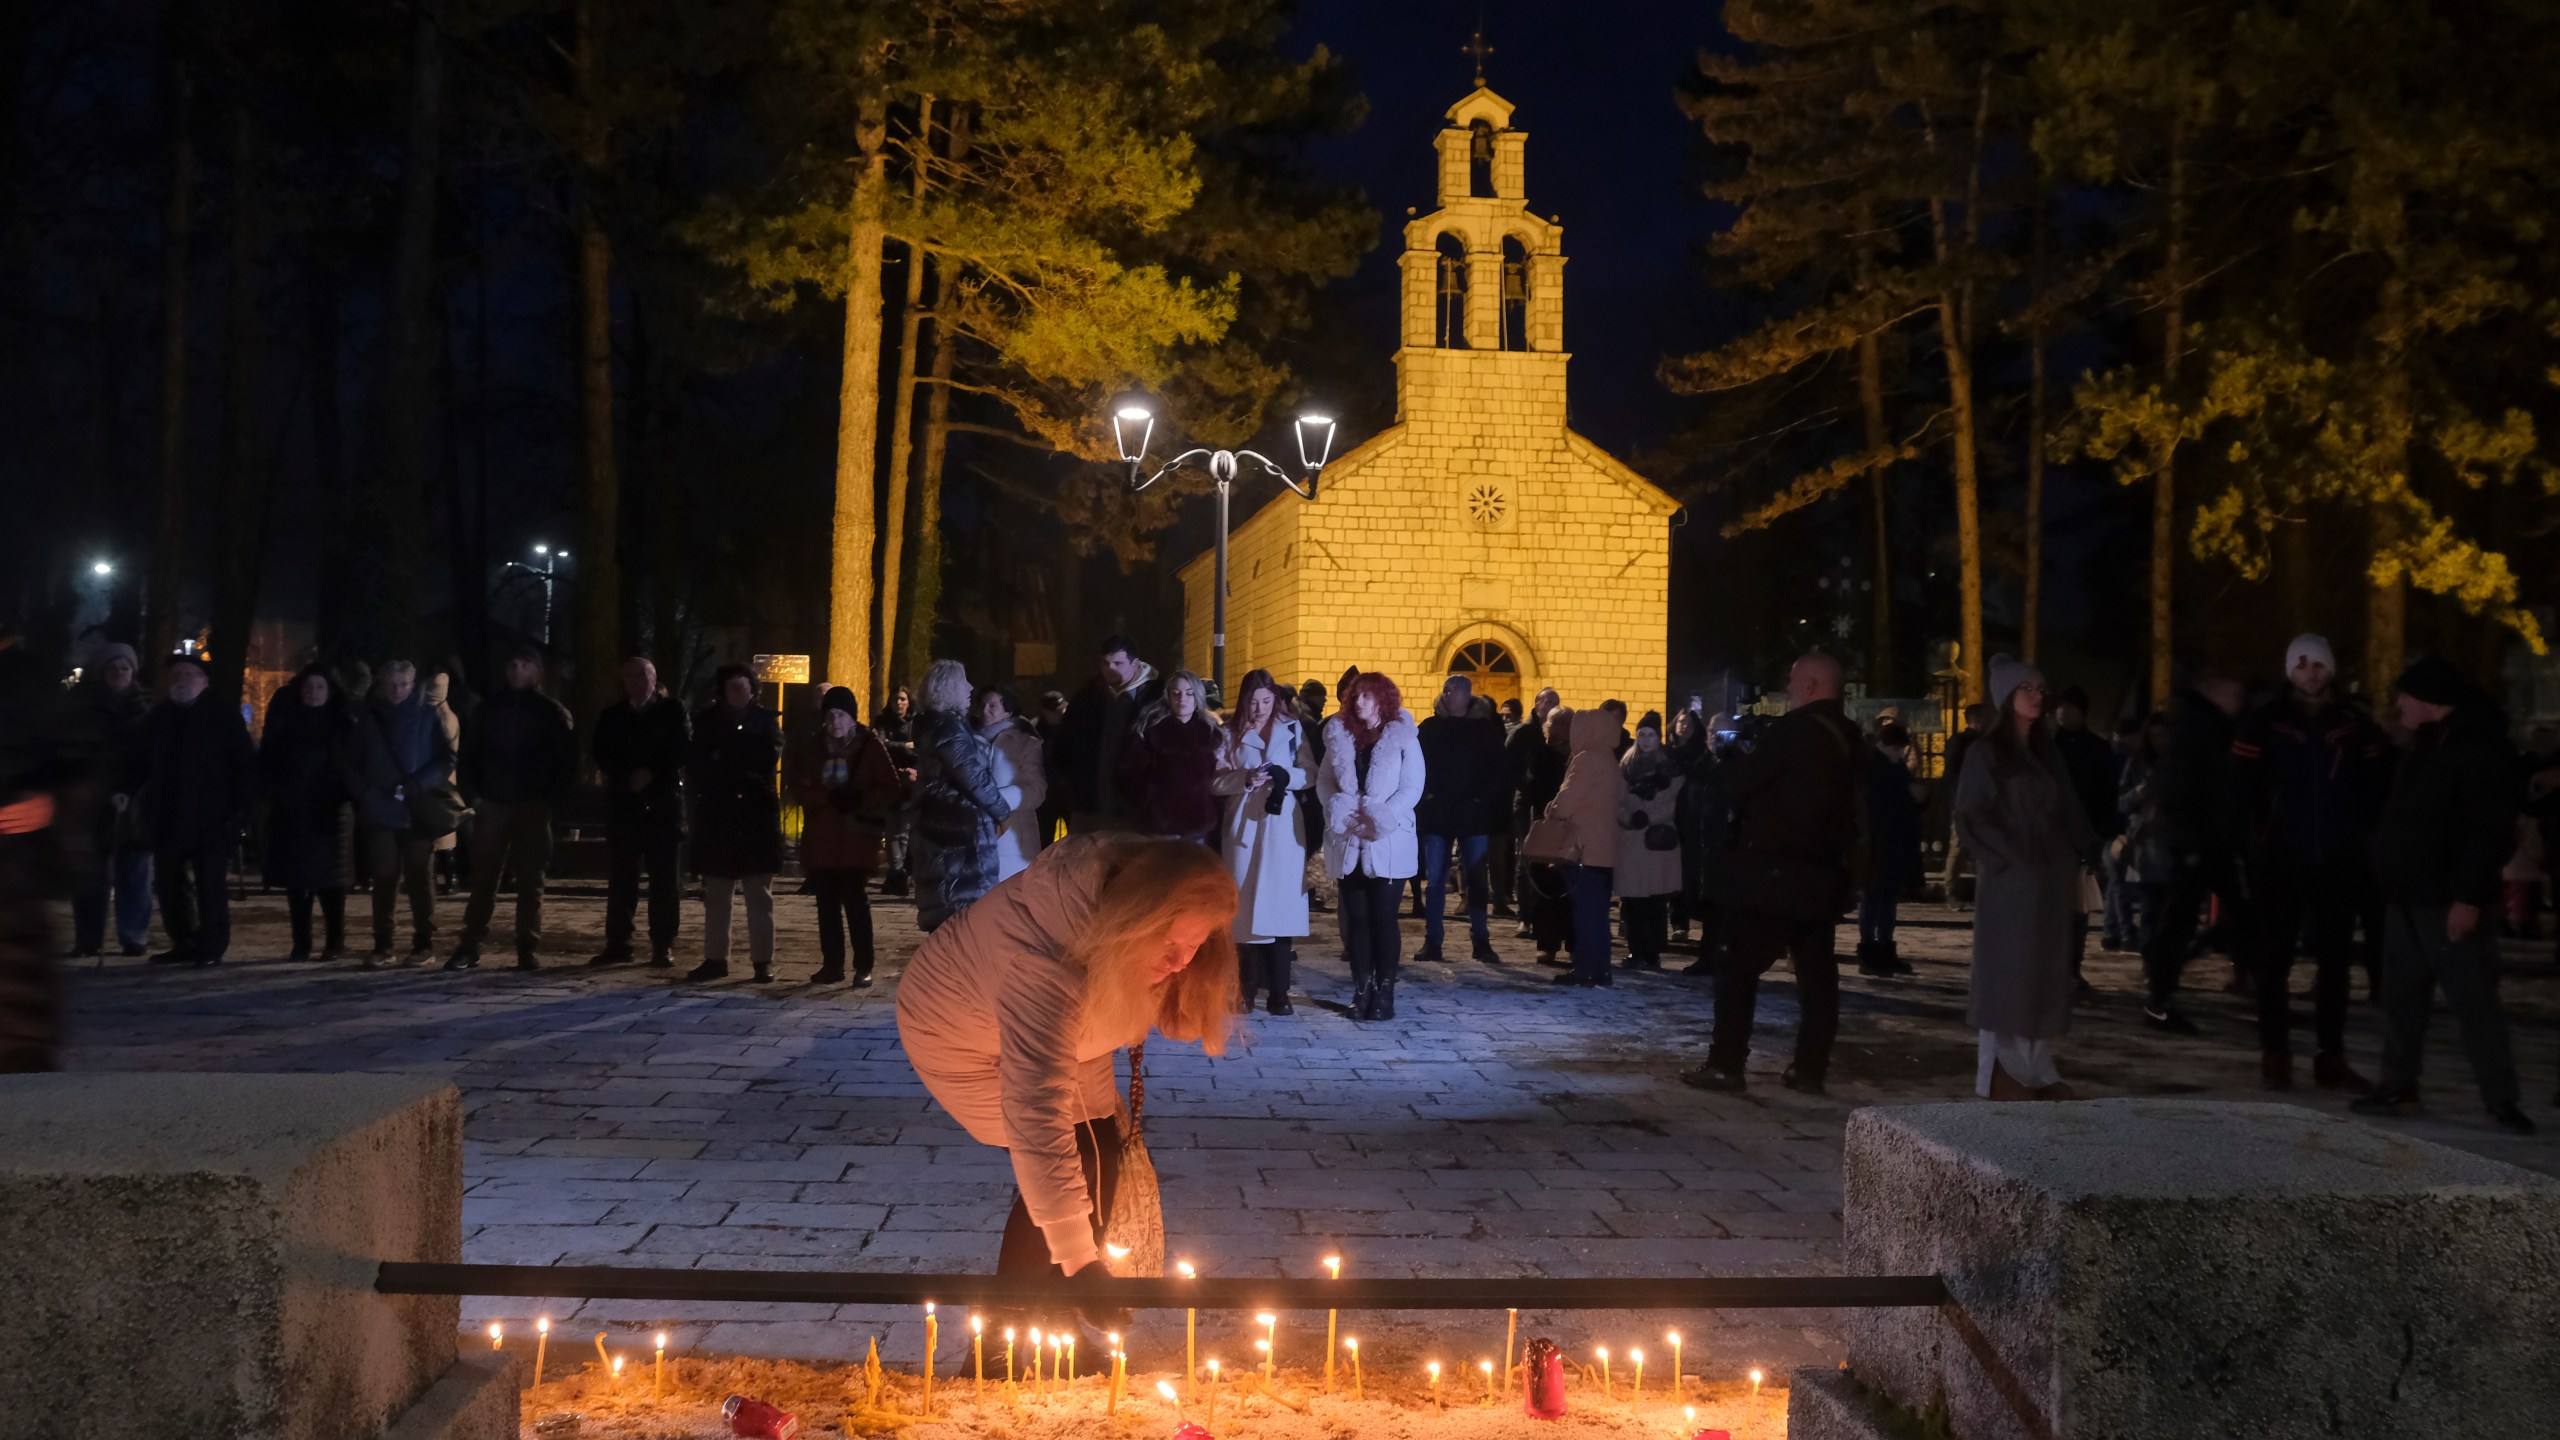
(841, 1287)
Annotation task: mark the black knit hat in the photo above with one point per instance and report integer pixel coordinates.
(839, 698)
(1652, 721)
(2435, 681)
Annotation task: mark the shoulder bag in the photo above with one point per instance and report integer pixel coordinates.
(1551, 841)
(1133, 1237)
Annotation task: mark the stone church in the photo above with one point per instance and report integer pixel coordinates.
(1479, 535)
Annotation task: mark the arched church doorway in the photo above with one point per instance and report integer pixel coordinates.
(1489, 667)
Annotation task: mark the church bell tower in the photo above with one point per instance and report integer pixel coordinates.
(1483, 274)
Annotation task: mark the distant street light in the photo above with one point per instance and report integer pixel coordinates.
(1133, 425)
(102, 568)
(546, 573)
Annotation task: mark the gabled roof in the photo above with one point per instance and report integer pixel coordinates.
(1483, 105)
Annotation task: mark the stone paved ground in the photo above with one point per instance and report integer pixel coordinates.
(1502, 1126)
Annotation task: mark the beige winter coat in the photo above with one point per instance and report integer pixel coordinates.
(988, 1013)
(1594, 789)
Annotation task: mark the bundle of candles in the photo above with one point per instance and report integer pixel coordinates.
(1041, 1367)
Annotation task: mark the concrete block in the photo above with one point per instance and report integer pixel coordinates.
(477, 1399)
(1828, 1405)
(2161, 1268)
(194, 1254)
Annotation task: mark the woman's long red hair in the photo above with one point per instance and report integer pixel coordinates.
(1390, 707)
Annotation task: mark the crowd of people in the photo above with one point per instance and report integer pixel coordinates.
(2398, 844)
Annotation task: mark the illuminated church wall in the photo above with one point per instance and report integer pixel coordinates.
(1478, 531)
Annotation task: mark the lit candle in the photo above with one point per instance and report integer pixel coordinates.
(978, 1349)
(1487, 1367)
(1213, 1394)
(541, 1345)
(1689, 1415)
(1679, 1381)
(1605, 1392)
(1510, 1347)
(1333, 1271)
(658, 1387)
(1071, 1362)
(1008, 1360)
(1190, 1332)
(1119, 1367)
(1434, 1368)
(1270, 1346)
(1057, 1360)
(1035, 1360)
(1636, 1395)
(932, 1342)
(1755, 1384)
(617, 1370)
(1352, 1344)
(1165, 1389)
(497, 1336)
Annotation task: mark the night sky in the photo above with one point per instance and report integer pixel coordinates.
(1609, 151)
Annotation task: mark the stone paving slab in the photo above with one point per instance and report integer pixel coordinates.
(1503, 1126)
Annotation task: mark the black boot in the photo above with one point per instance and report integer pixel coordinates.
(1278, 957)
(301, 921)
(1871, 959)
(1386, 1004)
(1249, 971)
(1364, 1000)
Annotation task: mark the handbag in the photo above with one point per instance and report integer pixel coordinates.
(1551, 841)
(436, 813)
(1133, 1238)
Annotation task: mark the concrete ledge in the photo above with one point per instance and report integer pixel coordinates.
(194, 1254)
(1828, 1405)
(476, 1400)
(2163, 1268)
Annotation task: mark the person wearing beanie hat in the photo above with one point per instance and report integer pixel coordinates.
(640, 745)
(2444, 836)
(2310, 768)
(2016, 810)
(117, 706)
(847, 786)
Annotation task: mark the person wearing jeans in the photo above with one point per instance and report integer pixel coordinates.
(737, 751)
(2445, 833)
(1466, 778)
(1372, 779)
(1590, 801)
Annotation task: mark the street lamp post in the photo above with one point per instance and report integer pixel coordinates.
(1133, 424)
(546, 574)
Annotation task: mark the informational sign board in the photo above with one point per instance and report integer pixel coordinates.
(782, 669)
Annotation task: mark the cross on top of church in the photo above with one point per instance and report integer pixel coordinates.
(1476, 49)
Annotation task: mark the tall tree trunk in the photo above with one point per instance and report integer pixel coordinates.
(2164, 475)
(2031, 624)
(858, 410)
(247, 487)
(1880, 668)
(893, 518)
(2387, 601)
(923, 611)
(386, 537)
(165, 583)
(330, 502)
(599, 569)
(1968, 477)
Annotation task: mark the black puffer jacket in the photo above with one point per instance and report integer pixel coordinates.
(737, 816)
(307, 761)
(2450, 823)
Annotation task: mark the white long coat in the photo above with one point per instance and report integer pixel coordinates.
(1023, 777)
(1394, 788)
(1263, 850)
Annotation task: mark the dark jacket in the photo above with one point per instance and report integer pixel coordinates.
(1537, 770)
(1164, 775)
(307, 762)
(1465, 776)
(2097, 775)
(400, 749)
(958, 808)
(203, 772)
(1796, 792)
(521, 745)
(737, 814)
(845, 798)
(45, 749)
(656, 737)
(2450, 823)
(2197, 792)
(117, 721)
(1893, 824)
(2311, 782)
(1085, 762)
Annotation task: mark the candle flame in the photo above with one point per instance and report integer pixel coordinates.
(1434, 1368)
(928, 1307)
(1213, 1365)
(662, 1339)
(1262, 1345)
(496, 1334)
(1008, 1334)
(1689, 1412)
(1115, 1339)
(1755, 1375)
(617, 1366)
(1266, 1319)
(1604, 1352)
(977, 1324)
(1636, 1355)
(1185, 1267)
(1671, 1335)
(1485, 1365)
(543, 1325)
(1334, 1263)
(1350, 1342)
(1116, 1252)
(1165, 1389)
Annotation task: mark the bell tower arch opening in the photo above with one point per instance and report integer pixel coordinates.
(1480, 159)
(1450, 332)
(1515, 294)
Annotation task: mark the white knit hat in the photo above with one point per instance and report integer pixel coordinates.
(2006, 676)
(2309, 647)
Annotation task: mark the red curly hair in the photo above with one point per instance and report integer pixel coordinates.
(1390, 707)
